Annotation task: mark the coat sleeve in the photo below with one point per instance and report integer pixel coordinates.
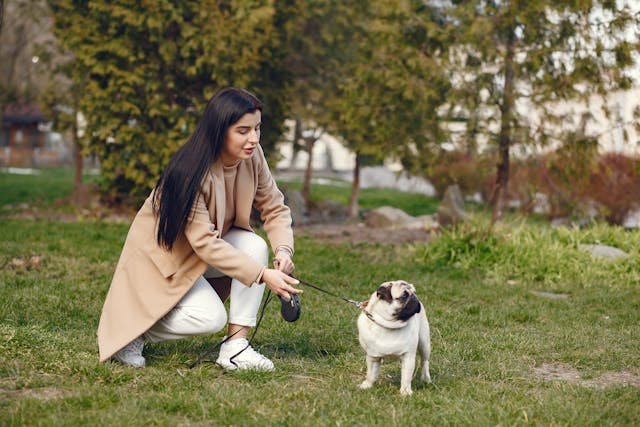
(205, 240)
(269, 201)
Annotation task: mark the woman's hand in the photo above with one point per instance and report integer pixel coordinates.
(280, 283)
(283, 262)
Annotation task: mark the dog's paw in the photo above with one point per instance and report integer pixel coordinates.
(365, 385)
(405, 391)
(426, 377)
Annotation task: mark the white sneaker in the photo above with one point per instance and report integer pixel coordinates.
(131, 354)
(248, 359)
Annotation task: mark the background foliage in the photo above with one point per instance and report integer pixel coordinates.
(406, 81)
(149, 68)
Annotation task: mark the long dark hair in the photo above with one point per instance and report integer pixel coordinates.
(179, 184)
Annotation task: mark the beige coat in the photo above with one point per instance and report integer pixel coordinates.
(149, 281)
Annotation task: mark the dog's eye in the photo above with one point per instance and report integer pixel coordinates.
(404, 295)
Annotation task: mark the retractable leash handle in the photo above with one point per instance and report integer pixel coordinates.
(290, 310)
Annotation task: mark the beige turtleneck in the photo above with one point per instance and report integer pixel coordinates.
(230, 172)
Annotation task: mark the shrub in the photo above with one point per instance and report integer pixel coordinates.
(459, 168)
(578, 184)
(615, 186)
(524, 183)
(147, 72)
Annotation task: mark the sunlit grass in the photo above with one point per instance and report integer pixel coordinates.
(370, 198)
(43, 186)
(489, 330)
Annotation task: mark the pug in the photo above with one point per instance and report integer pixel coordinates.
(393, 322)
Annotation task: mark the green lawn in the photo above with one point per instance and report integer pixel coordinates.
(44, 187)
(489, 332)
(412, 203)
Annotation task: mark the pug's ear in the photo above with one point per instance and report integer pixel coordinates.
(407, 284)
(384, 293)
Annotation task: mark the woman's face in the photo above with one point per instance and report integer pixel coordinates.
(242, 138)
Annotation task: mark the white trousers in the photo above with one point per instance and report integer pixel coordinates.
(201, 312)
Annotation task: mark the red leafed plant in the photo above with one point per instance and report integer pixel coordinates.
(615, 186)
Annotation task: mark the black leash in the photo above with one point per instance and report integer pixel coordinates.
(203, 358)
(357, 304)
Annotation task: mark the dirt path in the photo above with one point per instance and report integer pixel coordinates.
(336, 232)
(359, 233)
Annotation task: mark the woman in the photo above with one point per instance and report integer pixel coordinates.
(192, 236)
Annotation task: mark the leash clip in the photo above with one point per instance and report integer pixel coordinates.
(358, 304)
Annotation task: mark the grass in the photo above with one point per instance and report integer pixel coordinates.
(412, 203)
(43, 188)
(488, 331)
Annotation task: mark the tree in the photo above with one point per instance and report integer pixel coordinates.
(148, 69)
(513, 60)
(1, 14)
(315, 40)
(387, 100)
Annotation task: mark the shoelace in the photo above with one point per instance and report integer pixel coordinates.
(250, 353)
(203, 358)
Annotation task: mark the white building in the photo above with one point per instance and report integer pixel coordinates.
(329, 154)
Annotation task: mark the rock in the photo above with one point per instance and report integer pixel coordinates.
(565, 222)
(451, 209)
(632, 220)
(427, 222)
(604, 252)
(387, 217)
(383, 177)
(394, 218)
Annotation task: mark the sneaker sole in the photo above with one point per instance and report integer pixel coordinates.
(232, 367)
(133, 365)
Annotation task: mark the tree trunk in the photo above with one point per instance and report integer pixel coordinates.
(77, 148)
(1, 100)
(355, 189)
(508, 103)
(1, 14)
(306, 183)
(295, 148)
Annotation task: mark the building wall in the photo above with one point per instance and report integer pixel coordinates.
(610, 133)
(25, 145)
(615, 133)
